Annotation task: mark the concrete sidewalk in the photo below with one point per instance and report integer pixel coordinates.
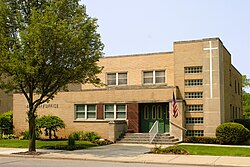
(132, 154)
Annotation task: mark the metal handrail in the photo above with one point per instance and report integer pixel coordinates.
(178, 126)
(153, 131)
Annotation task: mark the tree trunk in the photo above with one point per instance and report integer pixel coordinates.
(32, 136)
(50, 134)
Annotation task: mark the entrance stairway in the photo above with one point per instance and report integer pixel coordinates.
(143, 138)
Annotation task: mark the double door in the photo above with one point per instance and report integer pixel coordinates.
(149, 113)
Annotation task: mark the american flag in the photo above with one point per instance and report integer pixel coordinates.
(174, 107)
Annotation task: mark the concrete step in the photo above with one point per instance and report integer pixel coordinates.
(143, 138)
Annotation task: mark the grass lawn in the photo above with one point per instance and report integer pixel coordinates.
(60, 144)
(216, 150)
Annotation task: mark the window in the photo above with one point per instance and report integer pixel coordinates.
(238, 88)
(235, 87)
(146, 112)
(197, 69)
(193, 95)
(84, 111)
(115, 111)
(154, 77)
(117, 78)
(193, 82)
(195, 108)
(195, 133)
(230, 77)
(194, 120)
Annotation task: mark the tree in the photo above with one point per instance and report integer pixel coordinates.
(245, 83)
(246, 96)
(45, 45)
(50, 124)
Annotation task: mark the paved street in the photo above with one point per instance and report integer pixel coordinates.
(33, 162)
(114, 155)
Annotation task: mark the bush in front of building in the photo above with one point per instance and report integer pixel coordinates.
(169, 150)
(78, 135)
(86, 136)
(50, 124)
(201, 139)
(244, 122)
(6, 123)
(92, 137)
(25, 135)
(232, 133)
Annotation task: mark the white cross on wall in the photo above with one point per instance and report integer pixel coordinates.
(211, 67)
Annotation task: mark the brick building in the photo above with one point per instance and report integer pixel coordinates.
(139, 90)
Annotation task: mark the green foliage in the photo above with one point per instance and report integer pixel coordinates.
(25, 135)
(245, 83)
(47, 144)
(244, 122)
(6, 123)
(87, 136)
(169, 150)
(246, 104)
(44, 46)
(90, 136)
(9, 136)
(201, 139)
(246, 96)
(101, 142)
(232, 133)
(77, 135)
(50, 124)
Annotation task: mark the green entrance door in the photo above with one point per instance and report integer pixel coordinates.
(149, 113)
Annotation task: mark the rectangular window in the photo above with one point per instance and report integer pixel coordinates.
(193, 95)
(195, 108)
(84, 111)
(154, 77)
(196, 69)
(115, 111)
(235, 86)
(194, 133)
(194, 120)
(117, 78)
(193, 82)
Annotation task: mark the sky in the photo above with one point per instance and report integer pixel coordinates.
(148, 26)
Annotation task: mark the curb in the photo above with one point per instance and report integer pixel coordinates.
(110, 160)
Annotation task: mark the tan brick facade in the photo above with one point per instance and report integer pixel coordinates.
(206, 85)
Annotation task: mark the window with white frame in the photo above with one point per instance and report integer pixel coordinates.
(154, 77)
(117, 78)
(85, 111)
(115, 111)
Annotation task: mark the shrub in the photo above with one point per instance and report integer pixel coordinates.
(169, 150)
(232, 133)
(25, 135)
(50, 124)
(244, 122)
(102, 142)
(9, 136)
(77, 135)
(201, 139)
(6, 123)
(90, 136)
